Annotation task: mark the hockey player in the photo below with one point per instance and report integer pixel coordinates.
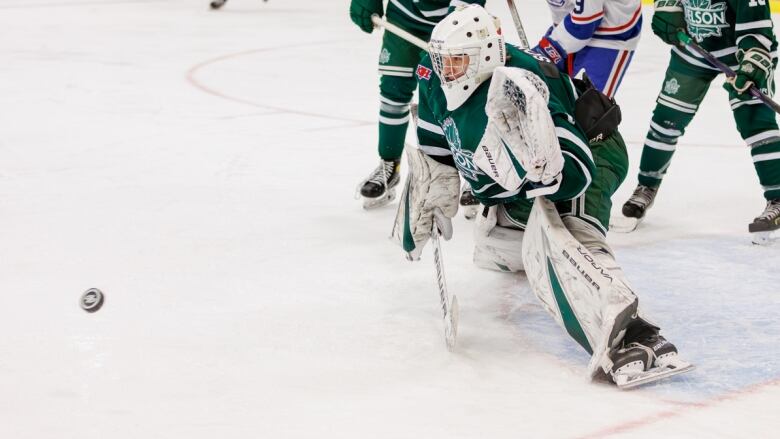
(598, 36)
(397, 61)
(516, 128)
(739, 33)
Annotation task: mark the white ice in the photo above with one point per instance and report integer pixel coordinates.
(199, 168)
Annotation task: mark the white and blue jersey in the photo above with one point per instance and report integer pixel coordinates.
(599, 36)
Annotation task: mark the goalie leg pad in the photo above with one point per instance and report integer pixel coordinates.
(584, 290)
(497, 247)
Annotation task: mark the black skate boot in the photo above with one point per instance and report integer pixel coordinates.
(641, 200)
(634, 210)
(468, 201)
(766, 223)
(216, 4)
(645, 356)
(379, 188)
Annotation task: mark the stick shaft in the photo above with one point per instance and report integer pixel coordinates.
(518, 23)
(755, 92)
(393, 29)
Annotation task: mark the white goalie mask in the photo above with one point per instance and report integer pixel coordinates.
(465, 47)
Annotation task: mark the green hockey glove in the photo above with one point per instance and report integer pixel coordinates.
(668, 19)
(755, 68)
(360, 12)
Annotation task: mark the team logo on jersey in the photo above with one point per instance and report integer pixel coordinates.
(464, 160)
(704, 18)
(423, 72)
(671, 87)
(384, 56)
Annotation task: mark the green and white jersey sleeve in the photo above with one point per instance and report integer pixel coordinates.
(461, 138)
(753, 25)
(420, 16)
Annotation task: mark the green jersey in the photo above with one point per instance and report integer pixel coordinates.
(462, 138)
(420, 16)
(722, 27)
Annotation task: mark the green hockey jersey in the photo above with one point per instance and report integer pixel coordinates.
(420, 16)
(722, 27)
(462, 138)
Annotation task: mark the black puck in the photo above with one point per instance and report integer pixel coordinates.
(92, 300)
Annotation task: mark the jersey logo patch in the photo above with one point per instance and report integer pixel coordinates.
(384, 56)
(464, 160)
(704, 18)
(671, 87)
(423, 72)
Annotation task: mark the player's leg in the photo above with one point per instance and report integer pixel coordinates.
(758, 127)
(683, 90)
(605, 67)
(397, 62)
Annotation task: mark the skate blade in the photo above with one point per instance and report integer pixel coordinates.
(675, 367)
(374, 203)
(623, 224)
(451, 324)
(470, 212)
(764, 238)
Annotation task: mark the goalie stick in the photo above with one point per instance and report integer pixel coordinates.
(449, 304)
(449, 307)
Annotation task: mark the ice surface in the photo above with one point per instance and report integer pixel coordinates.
(199, 167)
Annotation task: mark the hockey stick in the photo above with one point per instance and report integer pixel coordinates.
(393, 29)
(449, 308)
(755, 92)
(518, 23)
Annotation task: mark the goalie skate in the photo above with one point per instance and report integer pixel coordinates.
(469, 202)
(648, 357)
(671, 368)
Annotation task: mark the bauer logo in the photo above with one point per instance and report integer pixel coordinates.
(556, 3)
(423, 72)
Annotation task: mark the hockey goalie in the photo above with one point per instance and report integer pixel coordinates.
(542, 153)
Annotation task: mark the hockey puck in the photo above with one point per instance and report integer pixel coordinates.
(92, 300)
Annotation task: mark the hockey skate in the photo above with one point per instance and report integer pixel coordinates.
(379, 188)
(645, 357)
(766, 225)
(216, 4)
(634, 209)
(468, 201)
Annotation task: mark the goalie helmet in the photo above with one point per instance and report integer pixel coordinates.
(472, 37)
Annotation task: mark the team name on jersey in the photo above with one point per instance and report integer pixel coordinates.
(464, 159)
(704, 18)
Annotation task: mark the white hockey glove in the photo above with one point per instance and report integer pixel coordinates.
(517, 111)
(430, 196)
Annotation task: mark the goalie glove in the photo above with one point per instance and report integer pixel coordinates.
(360, 12)
(430, 197)
(755, 68)
(517, 111)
